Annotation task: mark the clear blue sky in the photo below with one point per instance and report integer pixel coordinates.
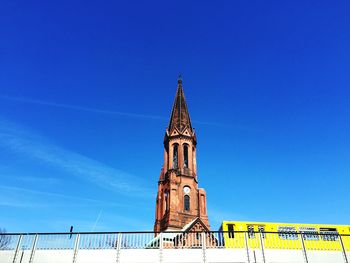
(86, 90)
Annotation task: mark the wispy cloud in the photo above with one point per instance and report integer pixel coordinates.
(109, 112)
(13, 196)
(36, 180)
(45, 194)
(58, 211)
(81, 108)
(23, 141)
(107, 222)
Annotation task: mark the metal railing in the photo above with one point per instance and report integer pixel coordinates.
(176, 239)
(248, 241)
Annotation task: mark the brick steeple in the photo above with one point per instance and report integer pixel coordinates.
(179, 200)
(180, 118)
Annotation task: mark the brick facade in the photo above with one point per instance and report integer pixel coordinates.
(179, 200)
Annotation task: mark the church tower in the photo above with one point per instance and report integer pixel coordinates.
(179, 200)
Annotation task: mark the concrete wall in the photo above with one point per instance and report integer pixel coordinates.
(172, 256)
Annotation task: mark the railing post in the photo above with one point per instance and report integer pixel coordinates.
(119, 241)
(161, 247)
(33, 248)
(17, 248)
(303, 247)
(246, 246)
(262, 247)
(76, 248)
(343, 249)
(204, 247)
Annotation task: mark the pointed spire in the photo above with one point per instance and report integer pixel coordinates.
(180, 118)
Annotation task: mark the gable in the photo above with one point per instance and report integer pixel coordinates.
(196, 225)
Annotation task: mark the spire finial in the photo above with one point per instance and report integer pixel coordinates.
(179, 78)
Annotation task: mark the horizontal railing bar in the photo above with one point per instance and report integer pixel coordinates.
(171, 232)
(176, 239)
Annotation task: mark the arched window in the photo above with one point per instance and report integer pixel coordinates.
(187, 203)
(185, 155)
(166, 195)
(175, 156)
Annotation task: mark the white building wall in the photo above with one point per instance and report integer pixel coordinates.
(173, 256)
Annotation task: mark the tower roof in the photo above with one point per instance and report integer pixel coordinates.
(180, 118)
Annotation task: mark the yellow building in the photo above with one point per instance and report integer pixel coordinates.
(285, 235)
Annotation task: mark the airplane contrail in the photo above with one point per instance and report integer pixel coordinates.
(96, 221)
